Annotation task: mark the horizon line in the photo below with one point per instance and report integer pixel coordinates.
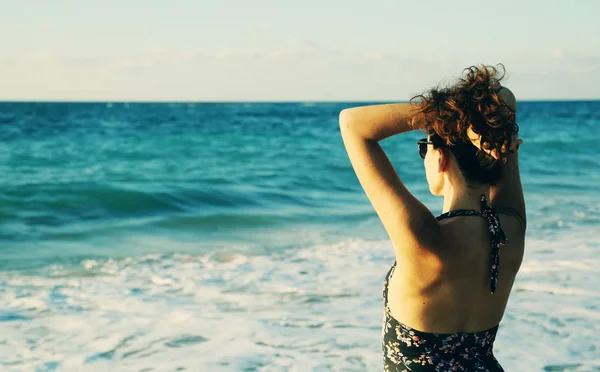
(269, 101)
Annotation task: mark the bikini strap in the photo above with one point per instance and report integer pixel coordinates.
(386, 284)
(498, 240)
(458, 212)
(496, 234)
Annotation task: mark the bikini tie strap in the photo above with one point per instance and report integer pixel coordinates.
(498, 240)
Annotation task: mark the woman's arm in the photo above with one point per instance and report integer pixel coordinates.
(507, 195)
(412, 228)
(378, 122)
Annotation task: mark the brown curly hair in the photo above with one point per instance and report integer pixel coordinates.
(446, 114)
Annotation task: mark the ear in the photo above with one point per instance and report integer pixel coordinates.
(443, 160)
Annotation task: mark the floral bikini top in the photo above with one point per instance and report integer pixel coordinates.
(407, 349)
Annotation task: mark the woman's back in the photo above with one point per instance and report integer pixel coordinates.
(451, 293)
(444, 313)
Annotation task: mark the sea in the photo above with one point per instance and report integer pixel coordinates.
(236, 237)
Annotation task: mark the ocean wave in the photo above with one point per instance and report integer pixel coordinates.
(142, 312)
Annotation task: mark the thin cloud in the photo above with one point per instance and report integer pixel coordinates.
(556, 53)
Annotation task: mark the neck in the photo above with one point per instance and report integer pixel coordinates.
(464, 198)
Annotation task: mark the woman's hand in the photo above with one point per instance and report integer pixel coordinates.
(514, 143)
(509, 99)
(505, 95)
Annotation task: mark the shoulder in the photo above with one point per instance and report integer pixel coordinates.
(513, 225)
(512, 219)
(424, 244)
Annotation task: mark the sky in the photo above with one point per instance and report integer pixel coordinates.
(284, 50)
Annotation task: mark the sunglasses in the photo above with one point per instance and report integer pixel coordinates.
(422, 143)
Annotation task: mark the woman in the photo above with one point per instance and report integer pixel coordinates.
(447, 291)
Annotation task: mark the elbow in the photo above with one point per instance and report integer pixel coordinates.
(343, 117)
(349, 124)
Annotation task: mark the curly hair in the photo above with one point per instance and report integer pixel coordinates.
(446, 114)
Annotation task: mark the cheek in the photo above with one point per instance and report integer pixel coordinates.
(430, 163)
(429, 169)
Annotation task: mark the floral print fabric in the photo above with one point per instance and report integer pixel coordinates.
(407, 349)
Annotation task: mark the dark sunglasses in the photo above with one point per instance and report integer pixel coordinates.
(422, 143)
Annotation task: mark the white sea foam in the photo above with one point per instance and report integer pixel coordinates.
(317, 308)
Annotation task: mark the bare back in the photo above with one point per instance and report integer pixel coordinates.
(451, 292)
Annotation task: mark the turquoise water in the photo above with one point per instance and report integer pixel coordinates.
(234, 236)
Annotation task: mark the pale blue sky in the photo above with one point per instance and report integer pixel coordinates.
(267, 50)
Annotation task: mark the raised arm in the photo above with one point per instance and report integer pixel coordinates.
(378, 122)
(409, 223)
(507, 196)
